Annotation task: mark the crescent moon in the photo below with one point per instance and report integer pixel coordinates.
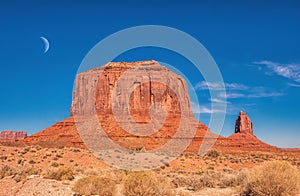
(46, 42)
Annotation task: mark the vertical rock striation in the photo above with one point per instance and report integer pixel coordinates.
(243, 124)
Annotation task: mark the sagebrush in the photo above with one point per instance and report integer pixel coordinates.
(95, 185)
(273, 178)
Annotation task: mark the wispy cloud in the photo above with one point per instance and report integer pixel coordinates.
(290, 71)
(236, 90)
(293, 85)
(216, 100)
(203, 109)
(251, 94)
(203, 85)
(231, 95)
(262, 94)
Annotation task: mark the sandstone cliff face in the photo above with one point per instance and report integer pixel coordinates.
(150, 81)
(125, 94)
(243, 124)
(10, 136)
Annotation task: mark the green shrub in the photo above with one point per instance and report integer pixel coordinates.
(273, 178)
(94, 185)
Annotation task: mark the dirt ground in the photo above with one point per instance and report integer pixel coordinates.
(219, 163)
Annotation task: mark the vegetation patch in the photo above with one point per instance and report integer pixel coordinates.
(95, 185)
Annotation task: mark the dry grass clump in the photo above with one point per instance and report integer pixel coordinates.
(145, 183)
(116, 175)
(232, 179)
(23, 172)
(273, 178)
(210, 179)
(195, 182)
(95, 185)
(213, 153)
(7, 171)
(19, 173)
(63, 173)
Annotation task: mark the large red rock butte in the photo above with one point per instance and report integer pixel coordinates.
(151, 83)
(11, 136)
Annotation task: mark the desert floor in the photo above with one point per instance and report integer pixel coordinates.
(33, 170)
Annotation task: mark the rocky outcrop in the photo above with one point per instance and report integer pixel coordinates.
(11, 136)
(244, 137)
(243, 124)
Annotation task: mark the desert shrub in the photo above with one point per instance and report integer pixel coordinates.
(95, 185)
(273, 178)
(180, 181)
(19, 173)
(165, 187)
(213, 153)
(32, 161)
(63, 173)
(195, 182)
(23, 172)
(205, 180)
(6, 171)
(3, 158)
(140, 183)
(145, 183)
(233, 179)
(117, 175)
(54, 164)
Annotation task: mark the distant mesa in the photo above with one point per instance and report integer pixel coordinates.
(12, 136)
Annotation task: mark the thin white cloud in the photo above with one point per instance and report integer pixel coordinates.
(197, 109)
(236, 91)
(203, 85)
(232, 95)
(262, 94)
(251, 95)
(293, 85)
(215, 100)
(290, 71)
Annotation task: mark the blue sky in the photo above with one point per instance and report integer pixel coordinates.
(255, 44)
